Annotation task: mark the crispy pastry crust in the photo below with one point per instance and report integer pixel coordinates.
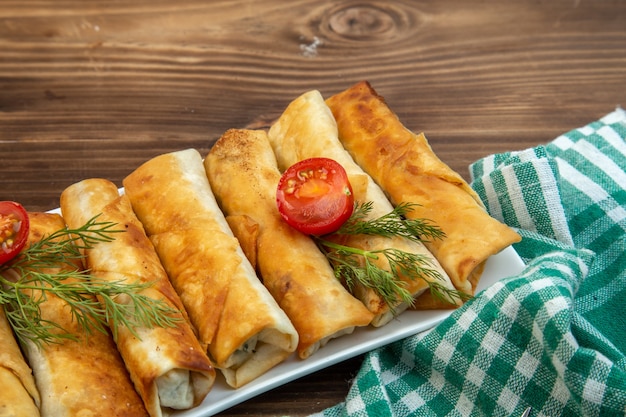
(167, 365)
(237, 319)
(72, 373)
(407, 169)
(307, 129)
(243, 174)
(19, 396)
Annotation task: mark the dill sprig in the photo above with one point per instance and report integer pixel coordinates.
(358, 266)
(53, 265)
(391, 224)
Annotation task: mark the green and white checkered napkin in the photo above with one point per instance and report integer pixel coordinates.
(554, 337)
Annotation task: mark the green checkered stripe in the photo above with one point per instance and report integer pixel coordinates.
(553, 337)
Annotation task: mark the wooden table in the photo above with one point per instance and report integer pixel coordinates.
(93, 89)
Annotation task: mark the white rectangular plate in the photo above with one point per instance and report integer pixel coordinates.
(505, 264)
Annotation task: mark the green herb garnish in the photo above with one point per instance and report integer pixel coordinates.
(391, 224)
(357, 266)
(53, 265)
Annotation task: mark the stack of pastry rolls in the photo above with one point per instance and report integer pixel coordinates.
(248, 290)
(167, 365)
(307, 129)
(238, 322)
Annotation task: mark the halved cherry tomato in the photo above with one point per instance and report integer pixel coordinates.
(14, 226)
(314, 196)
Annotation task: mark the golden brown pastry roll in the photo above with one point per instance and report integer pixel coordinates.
(242, 326)
(307, 129)
(407, 169)
(19, 396)
(247, 232)
(242, 171)
(167, 365)
(73, 376)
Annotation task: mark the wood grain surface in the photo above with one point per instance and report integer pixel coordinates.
(95, 88)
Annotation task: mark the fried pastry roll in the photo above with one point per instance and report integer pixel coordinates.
(407, 169)
(19, 396)
(307, 129)
(242, 171)
(237, 319)
(167, 365)
(73, 375)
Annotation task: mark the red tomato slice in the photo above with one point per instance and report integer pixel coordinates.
(314, 196)
(14, 226)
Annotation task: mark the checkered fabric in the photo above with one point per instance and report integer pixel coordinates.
(553, 337)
